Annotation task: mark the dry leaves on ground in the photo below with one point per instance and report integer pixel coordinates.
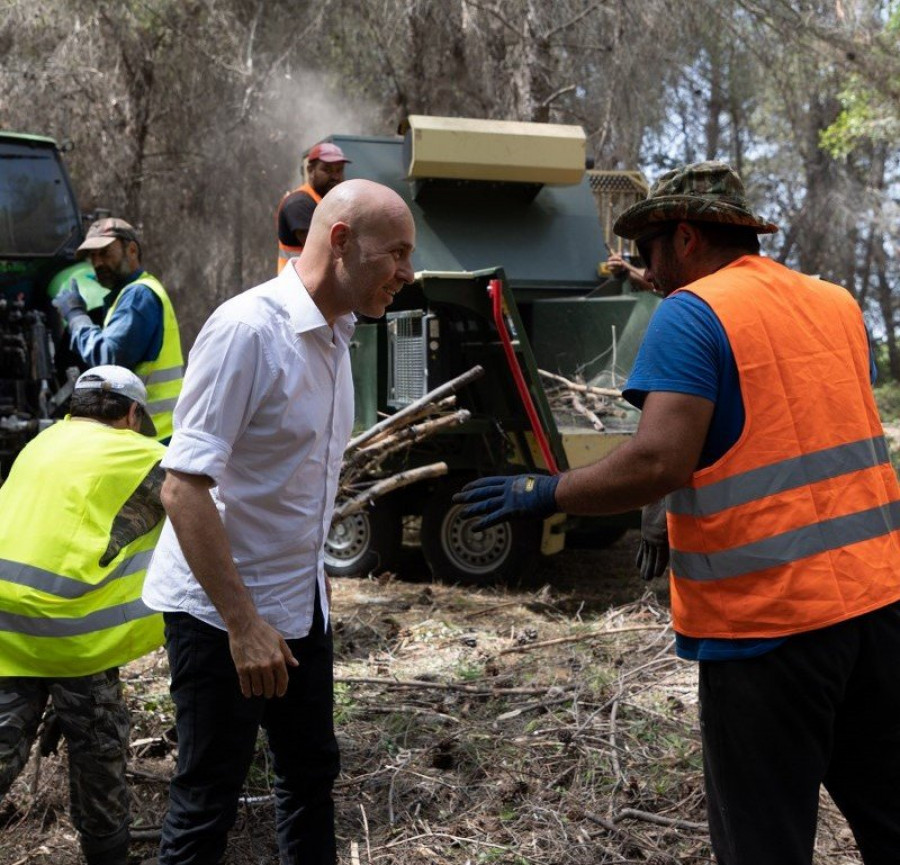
(542, 726)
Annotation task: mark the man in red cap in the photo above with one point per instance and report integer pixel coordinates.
(324, 170)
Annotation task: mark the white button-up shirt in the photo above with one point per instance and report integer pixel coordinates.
(266, 412)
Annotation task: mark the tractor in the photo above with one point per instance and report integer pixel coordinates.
(40, 229)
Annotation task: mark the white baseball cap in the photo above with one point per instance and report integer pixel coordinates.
(117, 379)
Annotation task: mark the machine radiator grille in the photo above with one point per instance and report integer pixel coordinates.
(614, 192)
(407, 358)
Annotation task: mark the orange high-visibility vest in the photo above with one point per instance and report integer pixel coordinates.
(796, 526)
(285, 251)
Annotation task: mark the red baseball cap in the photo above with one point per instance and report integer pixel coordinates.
(327, 152)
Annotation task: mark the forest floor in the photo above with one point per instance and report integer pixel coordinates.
(548, 724)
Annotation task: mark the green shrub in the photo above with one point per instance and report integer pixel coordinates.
(887, 395)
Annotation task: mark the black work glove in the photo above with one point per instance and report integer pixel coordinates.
(69, 302)
(498, 499)
(653, 553)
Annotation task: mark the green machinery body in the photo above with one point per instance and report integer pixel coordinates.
(40, 229)
(511, 203)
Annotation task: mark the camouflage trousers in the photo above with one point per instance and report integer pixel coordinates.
(94, 720)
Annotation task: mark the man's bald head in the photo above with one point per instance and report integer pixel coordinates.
(357, 203)
(358, 252)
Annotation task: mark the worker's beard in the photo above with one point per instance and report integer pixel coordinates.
(666, 271)
(112, 279)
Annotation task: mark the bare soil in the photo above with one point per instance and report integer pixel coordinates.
(547, 724)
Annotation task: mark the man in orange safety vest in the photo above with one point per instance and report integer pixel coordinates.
(325, 170)
(759, 426)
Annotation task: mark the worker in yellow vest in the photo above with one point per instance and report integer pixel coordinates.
(139, 330)
(760, 427)
(79, 518)
(325, 170)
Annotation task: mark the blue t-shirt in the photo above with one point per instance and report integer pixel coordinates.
(133, 335)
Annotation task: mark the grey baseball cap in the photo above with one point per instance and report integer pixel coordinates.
(117, 379)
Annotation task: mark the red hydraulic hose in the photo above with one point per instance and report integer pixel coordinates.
(495, 290)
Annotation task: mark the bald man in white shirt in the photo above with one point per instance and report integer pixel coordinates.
(252, 472)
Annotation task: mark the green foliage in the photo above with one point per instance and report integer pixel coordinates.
(887, 396)
(161, 704)
(468, 672)
(865, 115)
(344, 705)
(869, 102)
(259, 776)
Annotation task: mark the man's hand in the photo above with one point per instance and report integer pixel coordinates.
(69, 301)
(498, 499)
(617, 264)
(261, 657)
(653, 553)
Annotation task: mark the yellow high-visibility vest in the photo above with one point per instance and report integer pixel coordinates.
(164, 375)
(61, 612)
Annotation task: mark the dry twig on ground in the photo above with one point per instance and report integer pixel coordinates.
(580, 747)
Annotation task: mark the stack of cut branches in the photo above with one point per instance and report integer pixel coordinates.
(366, 470)
(583, 402)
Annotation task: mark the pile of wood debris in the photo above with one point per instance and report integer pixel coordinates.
(577, 402)
(543, 726)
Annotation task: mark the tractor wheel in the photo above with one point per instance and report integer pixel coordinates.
(366, 541)
(508, 552)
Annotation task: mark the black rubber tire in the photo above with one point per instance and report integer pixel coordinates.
(508, 552)
(365, 542)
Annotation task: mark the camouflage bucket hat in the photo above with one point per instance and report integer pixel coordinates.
(701, 192)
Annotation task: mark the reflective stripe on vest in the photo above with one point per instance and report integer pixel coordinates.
(65, 587)
(163, 375)
(100, 620)
(797, 526)
(286, 251)
(780, 476)
(61, 612)
(789, 546)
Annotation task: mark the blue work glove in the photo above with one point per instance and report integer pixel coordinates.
(69, 301)
(498, 499)
(653, 553)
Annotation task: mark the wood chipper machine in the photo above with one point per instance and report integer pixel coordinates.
(509, 282)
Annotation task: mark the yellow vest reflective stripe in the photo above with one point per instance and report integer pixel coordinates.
(61, 612)
(65, 587)
(164, 375)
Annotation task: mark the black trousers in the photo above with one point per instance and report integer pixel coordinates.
(217, 730)
(822, 708)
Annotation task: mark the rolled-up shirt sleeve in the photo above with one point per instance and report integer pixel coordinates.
(228, 375)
